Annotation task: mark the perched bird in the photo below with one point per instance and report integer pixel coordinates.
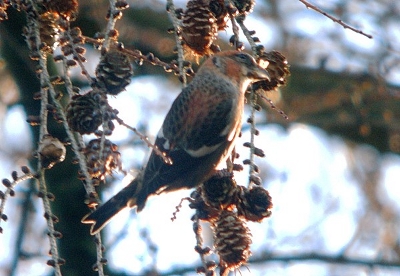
(198, 133)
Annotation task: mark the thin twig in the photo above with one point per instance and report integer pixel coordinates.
(145, 139)
(178, 41)
(10, 190)
(111, 24)
(99, 255)
(273, 106)
(56, 261)
(199, 239)
(253, 130)
(178, 207)
(334, 19)
(113, 17)
(235, 29)
(77, 143)
(46, 85)
(247, 34)
(253, 95)
(267, 257)
(140, 57)
(80, 62)
(22, 227)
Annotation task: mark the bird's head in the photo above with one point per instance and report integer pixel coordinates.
(240, 67)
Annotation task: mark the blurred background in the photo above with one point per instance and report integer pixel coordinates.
(332, 168)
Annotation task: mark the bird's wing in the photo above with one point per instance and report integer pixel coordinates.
(196, 132)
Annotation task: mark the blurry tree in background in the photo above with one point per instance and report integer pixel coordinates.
(343, 83)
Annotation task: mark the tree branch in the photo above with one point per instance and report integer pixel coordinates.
(334, 19)
(301, 257)
(335, 259)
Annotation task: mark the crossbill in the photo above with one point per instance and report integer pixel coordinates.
(198, 133)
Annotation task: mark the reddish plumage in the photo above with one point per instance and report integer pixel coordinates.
(198, 133)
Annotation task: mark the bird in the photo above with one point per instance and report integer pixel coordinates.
(198, 134)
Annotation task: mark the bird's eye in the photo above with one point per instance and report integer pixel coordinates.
(244, 58)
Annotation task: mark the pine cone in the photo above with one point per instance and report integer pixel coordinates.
(219, 191)
(203, 211)
(84, 113)
(244, 6)
(114, 71)
(3, 10)
(277, 68)
(102, 164)
(48, 28)
(121, 4)
(199, 27)
(254, 204)
(219, 10)
(66, 8)
(51, 151)
(231, 240)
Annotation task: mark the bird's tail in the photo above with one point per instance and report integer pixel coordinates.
(127, 197)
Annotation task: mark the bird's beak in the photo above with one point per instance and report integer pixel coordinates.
(259, 73)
